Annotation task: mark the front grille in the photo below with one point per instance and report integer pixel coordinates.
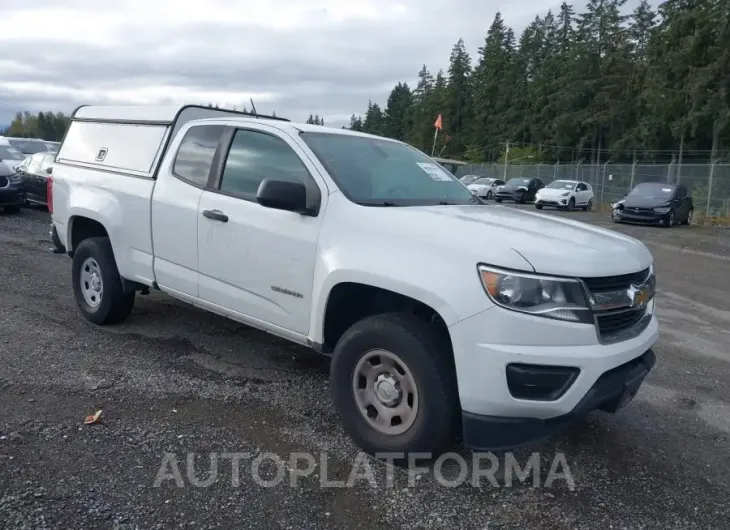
(611, 323)
(615, 283)
(639, 211)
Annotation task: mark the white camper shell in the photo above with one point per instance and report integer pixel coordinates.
(136, 142)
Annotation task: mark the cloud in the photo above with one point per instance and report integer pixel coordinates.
(327, 57)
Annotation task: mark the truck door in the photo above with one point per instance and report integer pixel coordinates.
(258, 261)
(177, 192)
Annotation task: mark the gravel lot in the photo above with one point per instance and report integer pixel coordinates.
(173, 379)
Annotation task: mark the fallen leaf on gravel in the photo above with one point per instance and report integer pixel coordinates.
(93, 418)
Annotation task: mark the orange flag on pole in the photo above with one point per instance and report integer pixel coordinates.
(439, 124)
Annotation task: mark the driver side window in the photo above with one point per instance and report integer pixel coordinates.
(254, 156)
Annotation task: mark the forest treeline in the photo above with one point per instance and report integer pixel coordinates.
(577, 86)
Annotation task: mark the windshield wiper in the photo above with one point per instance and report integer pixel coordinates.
(383, 203)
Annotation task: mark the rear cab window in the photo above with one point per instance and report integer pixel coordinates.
(194, 157)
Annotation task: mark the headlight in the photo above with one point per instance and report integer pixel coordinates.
(662, 210)
(565, 194)
(543, 296)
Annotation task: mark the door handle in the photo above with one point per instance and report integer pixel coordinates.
(216, 215)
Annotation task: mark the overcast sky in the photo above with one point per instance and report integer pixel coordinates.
(293, 56)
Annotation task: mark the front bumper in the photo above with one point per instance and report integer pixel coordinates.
(485, 344)
(556, 202)
(509, 196)
(652, 218)
(12, 196)
(610, 392)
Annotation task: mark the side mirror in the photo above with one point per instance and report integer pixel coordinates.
(284, 195)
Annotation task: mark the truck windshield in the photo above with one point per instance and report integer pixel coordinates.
(375, 172)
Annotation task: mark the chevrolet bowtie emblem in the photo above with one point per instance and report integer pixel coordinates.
(638, 296)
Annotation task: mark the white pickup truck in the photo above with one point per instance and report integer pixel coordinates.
(445, 317)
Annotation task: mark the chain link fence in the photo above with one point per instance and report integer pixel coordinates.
(709, 184)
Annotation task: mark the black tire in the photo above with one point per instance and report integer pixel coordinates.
(489, 195)
(588, 207)
(538, 206)
(115, 304)
(571, 205)
(497, 200)
(669, 220)
(428, 357)
(11, 209)
(690, 215)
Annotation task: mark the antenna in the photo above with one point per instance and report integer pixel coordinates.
(254, 108)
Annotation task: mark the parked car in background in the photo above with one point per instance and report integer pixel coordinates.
(519, 190)
(485, 187)
(468, 179)
(12, 195)
(35, 171)
(10, 156)
(655, 203)
(565, 194)
(27, 146)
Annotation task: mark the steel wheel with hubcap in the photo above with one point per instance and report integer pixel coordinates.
(393, 384)
(385, 392)
(96, 283)
(92, 286)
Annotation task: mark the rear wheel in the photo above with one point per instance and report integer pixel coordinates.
(393, 384)
(11, 209)
(588, 206)
(690, 215)
(97, 285)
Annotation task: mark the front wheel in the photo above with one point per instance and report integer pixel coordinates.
(97, 285)
(538, 206)
(489, 195)
(670, 220)
(571, 205)
(393, 384)
(497, 200)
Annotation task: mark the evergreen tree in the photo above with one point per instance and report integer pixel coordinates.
(458, 110)
(398, 112)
